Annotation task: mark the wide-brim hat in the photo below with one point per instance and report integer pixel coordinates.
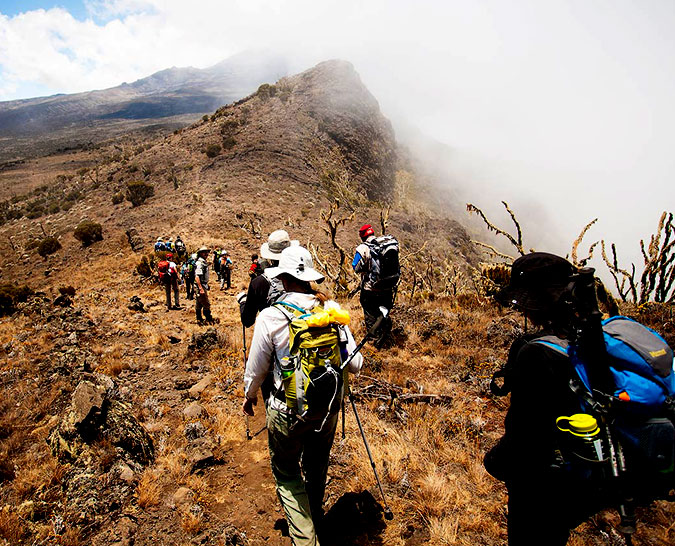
(297, 262)
(538, 281)
(203, 249)
(276, 243)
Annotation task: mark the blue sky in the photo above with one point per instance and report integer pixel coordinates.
(13, 7)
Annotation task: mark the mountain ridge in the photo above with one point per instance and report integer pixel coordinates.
(171, 97)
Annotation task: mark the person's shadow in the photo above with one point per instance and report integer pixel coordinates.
(355, 518)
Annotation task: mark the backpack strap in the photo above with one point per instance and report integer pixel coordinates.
(552, 342)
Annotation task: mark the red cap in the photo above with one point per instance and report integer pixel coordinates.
(366, 230)
(169, 255)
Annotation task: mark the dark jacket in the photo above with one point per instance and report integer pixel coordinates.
(256, 300)
(544, 501)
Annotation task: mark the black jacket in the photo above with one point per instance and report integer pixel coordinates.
(256, 300)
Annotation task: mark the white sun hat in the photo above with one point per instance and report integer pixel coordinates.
(297, 262)
(276, 243)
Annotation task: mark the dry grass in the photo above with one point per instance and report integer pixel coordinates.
(149, 490)
(12, 527)
(192, 523)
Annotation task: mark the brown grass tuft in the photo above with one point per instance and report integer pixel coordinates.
(149, 489)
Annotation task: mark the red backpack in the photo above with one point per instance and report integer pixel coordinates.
(163, 270)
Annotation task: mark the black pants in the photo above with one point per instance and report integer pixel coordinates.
(189, 288)
(371, 302)
(172, 284)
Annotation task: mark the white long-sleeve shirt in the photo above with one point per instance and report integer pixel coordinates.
(271, 337)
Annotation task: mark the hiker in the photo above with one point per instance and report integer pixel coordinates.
(378, 278)
(256, 269)
(263, 290)
(299, 449)
(544, 502)
(226, 267)
(181, 250)
(168, 276)
(189, 276)
(216, 263)
(159, 245)
(169, 246)
(202, 287)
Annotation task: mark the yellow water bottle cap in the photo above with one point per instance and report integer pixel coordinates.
(579, 424)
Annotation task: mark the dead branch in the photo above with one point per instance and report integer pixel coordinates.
(658, 275)
(517, 241)
(577, 242)
(493, 250)
(617, 272)
(384, 219)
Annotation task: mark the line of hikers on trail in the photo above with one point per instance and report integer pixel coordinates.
(193, 273)
(590, 422)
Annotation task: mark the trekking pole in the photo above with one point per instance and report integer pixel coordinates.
(248, 428)
(369, 333)
(388, 514)
(343, 418)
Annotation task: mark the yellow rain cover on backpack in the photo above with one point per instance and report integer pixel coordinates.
(311, 377)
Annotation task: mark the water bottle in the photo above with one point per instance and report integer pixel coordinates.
(583, 439)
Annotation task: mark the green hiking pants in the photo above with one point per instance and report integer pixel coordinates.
(299, 459)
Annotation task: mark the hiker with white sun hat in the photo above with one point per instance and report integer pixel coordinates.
(299, 448)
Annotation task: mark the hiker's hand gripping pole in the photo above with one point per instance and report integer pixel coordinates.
(384, 312)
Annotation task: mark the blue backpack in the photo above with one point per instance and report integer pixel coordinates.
(641, 406)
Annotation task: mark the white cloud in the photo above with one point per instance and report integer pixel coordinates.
(568, 104)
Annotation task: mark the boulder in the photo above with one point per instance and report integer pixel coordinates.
(135, 240)
(183, 496)
(202, 341)
(193, 411)
(194, 430)
(97, 413)
(201, 386)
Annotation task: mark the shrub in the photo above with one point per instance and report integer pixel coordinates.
(74, 195)
(35, 212)
(266, 91)
(212, 150)
(117, 198)
(143, 268)
(229, 126)
(66, 205)
(11, 295)
(32, 244)
(14, 213)
(88, 232)
(229, 142)
(138, 192)
(67, 290)
(53, 208)
(48, 246)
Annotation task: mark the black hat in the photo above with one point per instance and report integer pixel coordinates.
(537, 281)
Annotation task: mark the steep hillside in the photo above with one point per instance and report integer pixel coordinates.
(280, 156)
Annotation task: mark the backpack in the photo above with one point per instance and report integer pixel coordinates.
(385, 270)
(180, 247)
(641, 407)
(163, 271)
(276, 290)
(311, 375)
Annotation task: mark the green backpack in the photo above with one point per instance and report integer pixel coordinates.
(312, 377)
